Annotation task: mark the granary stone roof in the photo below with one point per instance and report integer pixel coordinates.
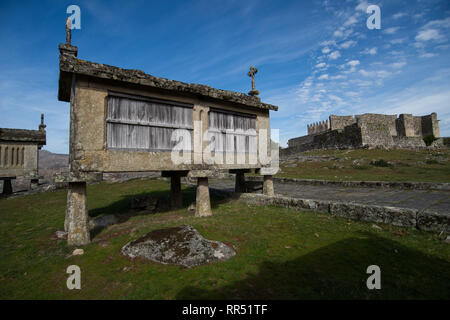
(69, 64)
(21, 135)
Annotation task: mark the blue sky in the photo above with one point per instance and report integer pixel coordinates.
(314, 57)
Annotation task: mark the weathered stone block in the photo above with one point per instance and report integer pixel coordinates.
(202, 201)
(77, 219)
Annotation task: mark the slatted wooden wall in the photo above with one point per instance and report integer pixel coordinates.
(12, 156)
(232, 132)
(135, 123)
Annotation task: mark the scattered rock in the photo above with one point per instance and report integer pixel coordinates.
(447, 240)
(182, 245)
(144, 203)
(376, 227)
(192, 207)
(60, 235)
(380, 163)
(103, 221)
(78, 252)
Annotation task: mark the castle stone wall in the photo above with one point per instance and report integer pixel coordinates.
(349, 137)
(405, 125)
(318, 127)
(340, 122)
(367, 130)
(376, 121)
(430, 125)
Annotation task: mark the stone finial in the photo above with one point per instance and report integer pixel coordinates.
(252, 74)
(42, 126)
(68, 31)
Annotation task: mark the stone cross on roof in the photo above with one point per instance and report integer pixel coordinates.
(251, 74)
(42, 126)
(68, 31)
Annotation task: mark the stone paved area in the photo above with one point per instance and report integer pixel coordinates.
(434, 200)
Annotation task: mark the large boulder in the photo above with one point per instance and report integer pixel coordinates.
(182, 245)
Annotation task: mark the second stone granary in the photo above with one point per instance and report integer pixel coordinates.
(19, 155)
(126, 120)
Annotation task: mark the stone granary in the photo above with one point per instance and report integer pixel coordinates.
(19, 154)
(129, 121)
(368, 130)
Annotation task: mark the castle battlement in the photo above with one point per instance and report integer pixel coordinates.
(369, 129)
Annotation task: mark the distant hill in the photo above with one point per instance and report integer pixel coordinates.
(53, 161)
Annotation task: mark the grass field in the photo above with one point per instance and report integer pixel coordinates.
(281, 254)
(348, 165)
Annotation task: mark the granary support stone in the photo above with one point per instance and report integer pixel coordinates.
(202, 201)
(239, 185)
(77, 218)
(268, 186)
(34, 183)
(176, 197)
(7, 187)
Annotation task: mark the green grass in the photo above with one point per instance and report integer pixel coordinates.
(281, 254)
(387, 165)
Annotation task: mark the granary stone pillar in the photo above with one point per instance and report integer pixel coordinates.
(176, 197)
(239, 184)
(267, 174)
(34, 183)
(202, 201)
(77, 218)
(7, 187)
(268, 186)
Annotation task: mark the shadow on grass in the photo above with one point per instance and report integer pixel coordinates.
(338, 271)
(121, 208)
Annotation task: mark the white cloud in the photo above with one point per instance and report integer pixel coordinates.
(335, 98)
(362, 6)
(398, 65)
(334, 55)
(347, 44)
(371, 51)
(321, 65)
(391, 30)
(428, 34)
(398, 41)
(445, 23)
(376, 73)
(325, 50)
(399, 15)
(428, 55)
(338, 77)
(323, 77)
(338, 33)
(328, 43)
(350, 21)
(353, 63)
